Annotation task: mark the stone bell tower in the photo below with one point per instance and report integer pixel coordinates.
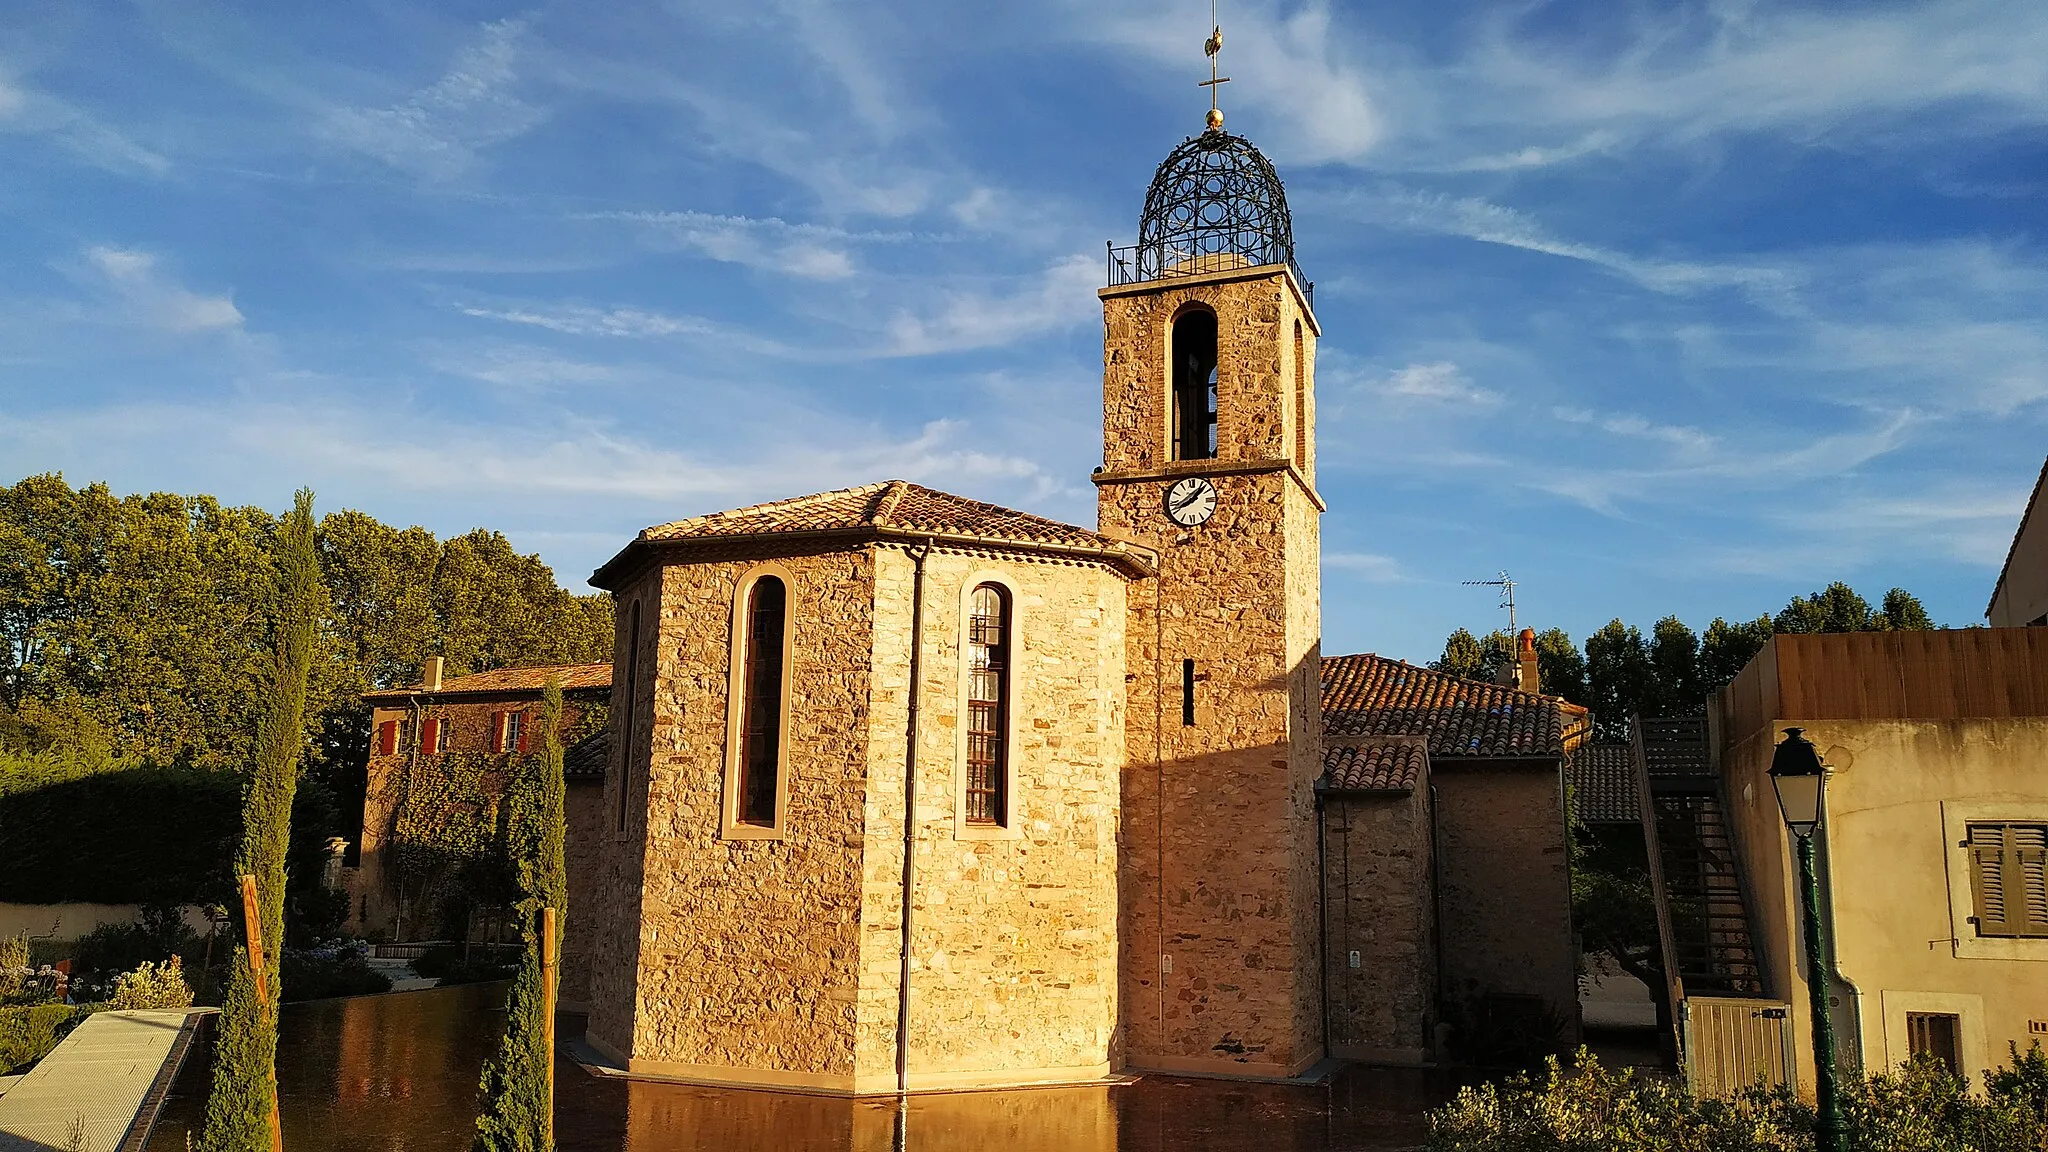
(1208, 456)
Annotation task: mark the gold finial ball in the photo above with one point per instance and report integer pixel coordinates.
(1215, 119)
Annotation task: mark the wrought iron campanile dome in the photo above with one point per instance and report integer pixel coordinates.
(1215, 204)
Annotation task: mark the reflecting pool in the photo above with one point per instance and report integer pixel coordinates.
(398, 1073)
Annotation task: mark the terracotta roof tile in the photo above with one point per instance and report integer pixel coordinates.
(1602, 778)
(574, 677)
(586, 759)
(896, 504)
(1372, 696)
(1378, 766)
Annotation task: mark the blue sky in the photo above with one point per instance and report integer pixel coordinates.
(1661, 307)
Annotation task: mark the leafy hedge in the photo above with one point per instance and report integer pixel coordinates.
(28, 1034)
(69, 833)
(1919, 1107)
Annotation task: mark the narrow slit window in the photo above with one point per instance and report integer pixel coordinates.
(1187, 693)
(761, 721)
(1194, 386)
(626, 713)
(1300, 400)
(988, 706)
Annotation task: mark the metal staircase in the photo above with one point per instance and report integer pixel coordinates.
(1702, 909)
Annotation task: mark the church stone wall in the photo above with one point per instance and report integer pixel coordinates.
(1014, 937)
(747, 954)
(1219, 833)
(1377, 876)
(1506, 886)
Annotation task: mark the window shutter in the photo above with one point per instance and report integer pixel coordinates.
(387, 738)
(498, 731)
(2028, 868)
(1988, 879)
(522, 732)
(430, 737)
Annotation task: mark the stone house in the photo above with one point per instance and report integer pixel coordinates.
(907, 791)
(416, 733)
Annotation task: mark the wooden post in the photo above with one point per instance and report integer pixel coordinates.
(548, 977)
(252, 922)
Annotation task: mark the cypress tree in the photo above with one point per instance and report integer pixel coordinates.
(517, 1092)
(238, 1113)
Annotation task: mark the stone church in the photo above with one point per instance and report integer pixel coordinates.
(908, 791)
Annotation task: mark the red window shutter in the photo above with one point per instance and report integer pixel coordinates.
(430, 737)
(498, 731)
(522, 732)
(387, 738)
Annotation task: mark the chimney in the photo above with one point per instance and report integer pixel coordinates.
(1525, 656)
(430, 676)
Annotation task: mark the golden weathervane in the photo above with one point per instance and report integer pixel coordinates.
(1213, 46)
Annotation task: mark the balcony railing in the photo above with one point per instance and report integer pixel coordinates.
(1144, 263)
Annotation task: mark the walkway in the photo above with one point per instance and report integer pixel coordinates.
(87, 1095)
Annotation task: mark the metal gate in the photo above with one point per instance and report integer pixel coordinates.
(1732, 1043)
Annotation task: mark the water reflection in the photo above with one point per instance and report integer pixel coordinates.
(398, 1073)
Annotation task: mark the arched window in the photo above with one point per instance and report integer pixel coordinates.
(1300, 401)
(626, 713)
(760, 760)
(988, 706)
(1194, 385)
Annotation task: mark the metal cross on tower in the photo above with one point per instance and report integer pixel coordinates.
(1213, 46)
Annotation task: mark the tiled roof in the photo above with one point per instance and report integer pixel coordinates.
(501, 680)
(890, 504)
(586, 759)
(1372, 696)
(1376, 766)
(895, 508)
(1602, 778)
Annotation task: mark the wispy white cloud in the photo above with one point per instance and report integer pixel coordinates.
(438, 130)
(630, 322)
(1631, 425)
(25, 110)
(1062, 296)
(1370, 567)
(149, 296)
(1440, 382)
(1478, 219)
(810, 251)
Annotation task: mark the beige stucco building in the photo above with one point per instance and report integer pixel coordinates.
(1934, 847)
(2020, 597)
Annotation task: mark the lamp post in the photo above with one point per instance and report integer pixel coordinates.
(1799, 778)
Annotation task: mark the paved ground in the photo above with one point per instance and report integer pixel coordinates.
(84, 1096)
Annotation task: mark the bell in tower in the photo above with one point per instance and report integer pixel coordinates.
(1208, 458)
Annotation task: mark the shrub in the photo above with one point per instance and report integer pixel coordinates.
(1919, 1107)
(114, 833)
(445, 962)
(112, 948)
(27, 1034)
(152, 986)
(15, 970)
(335, 970)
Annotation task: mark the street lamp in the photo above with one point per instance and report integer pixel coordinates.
(1799, 778)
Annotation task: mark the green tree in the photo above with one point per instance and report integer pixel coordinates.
(1836, 608)
(1560, 667)
(1903, 612)
(1725, 649)
(516, 1085)
(1462, 656)
(1675, 688)
(1618, 677)
(242, 1101)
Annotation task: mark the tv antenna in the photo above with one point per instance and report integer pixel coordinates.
(1506, 584)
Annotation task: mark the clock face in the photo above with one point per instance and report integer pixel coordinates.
(1190, 501)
